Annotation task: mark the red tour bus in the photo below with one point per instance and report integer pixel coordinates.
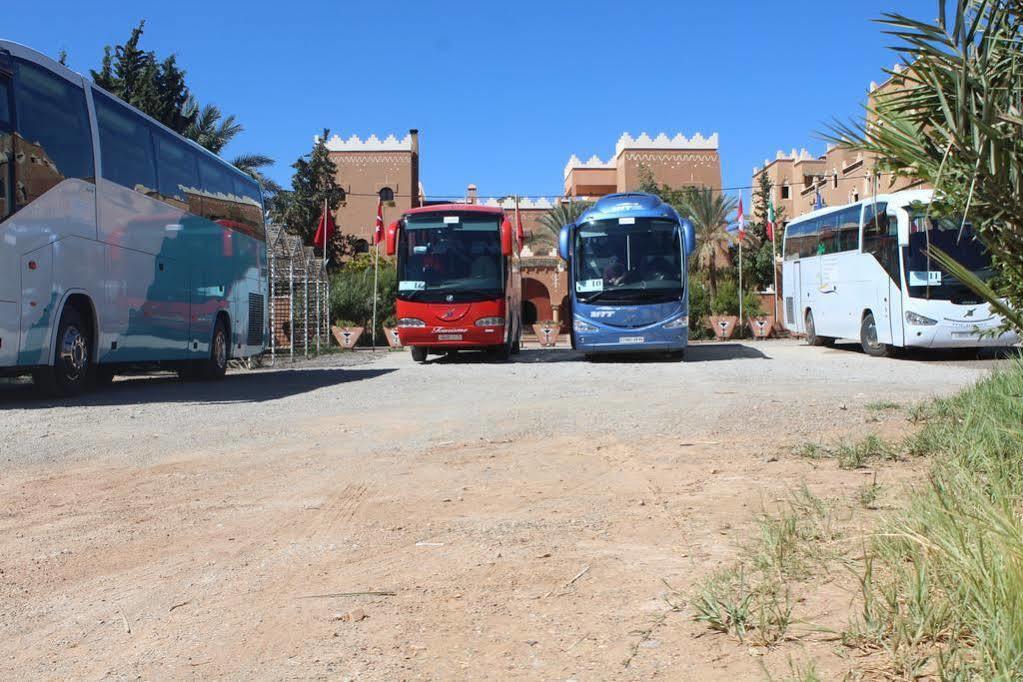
(459, 286)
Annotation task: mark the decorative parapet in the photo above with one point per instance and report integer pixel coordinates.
(525, 203)
(594, 162)
(371, 144)
(662, 141)
(794, 156)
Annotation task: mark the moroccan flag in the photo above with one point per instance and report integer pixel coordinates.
(742, 222)
(520, 234)
(325, 230)
(770, 219)
(378, 229)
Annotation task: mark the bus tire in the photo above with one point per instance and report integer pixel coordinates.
(868, 339)
(418, 354)
(72, 359)
(811, 333)
(215, 367)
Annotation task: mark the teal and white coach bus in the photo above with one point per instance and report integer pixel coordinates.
(121, 243)
(862, 272)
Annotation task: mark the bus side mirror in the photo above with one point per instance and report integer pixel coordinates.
(506, 238)
(563, 240)
(391, 239)
(688, 238)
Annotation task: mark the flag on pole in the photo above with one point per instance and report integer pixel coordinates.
(378, 229)
(325, 230)
(742, 222)
(520, 234)
(770, 219)
(818, 201)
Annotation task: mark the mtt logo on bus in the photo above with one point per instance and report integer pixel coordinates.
(459, 285)
(862, 271)
(629, 283)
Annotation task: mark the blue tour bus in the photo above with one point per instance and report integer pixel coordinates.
(121, 243)
(628, 279)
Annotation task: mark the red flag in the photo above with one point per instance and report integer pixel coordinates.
(520, 234)
(378, 229)
(325, 230)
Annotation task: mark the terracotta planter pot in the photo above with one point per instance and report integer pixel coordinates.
(723, 326)
(547, 333)
(763, 326)
(392, 337)
(347, 336)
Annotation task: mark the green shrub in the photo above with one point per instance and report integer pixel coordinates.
(726, 302)
(351, 294)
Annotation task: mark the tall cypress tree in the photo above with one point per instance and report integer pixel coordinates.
(314, 182)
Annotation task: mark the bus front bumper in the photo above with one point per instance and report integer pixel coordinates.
(633, 341)
(957, 336)
(453, 338)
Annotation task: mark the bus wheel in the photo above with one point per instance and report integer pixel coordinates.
(215, 367)
(811, 333)
(868, 339)
(418, 354)
(517, 346)
(71, 364)
(501, 353)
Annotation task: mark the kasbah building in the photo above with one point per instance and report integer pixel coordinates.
(841, 176)
(389, 169)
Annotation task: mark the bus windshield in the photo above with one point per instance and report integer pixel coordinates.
(450, 257)
(628, 260)
(924, 277)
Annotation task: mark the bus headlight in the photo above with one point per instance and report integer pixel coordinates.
(410, 322)
(919, 320)
(583, 327)
(678, 323)
(490, 322)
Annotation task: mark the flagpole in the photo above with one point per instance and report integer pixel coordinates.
(320, 312)
(774, 271)
(740, 288)
(376, 266)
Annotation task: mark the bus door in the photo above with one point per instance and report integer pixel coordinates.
(798, 319)
(881, 241)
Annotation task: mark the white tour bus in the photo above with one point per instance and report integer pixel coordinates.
(121, 243)
(861, 271)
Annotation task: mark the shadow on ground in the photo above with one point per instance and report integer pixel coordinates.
(695, 353)
(251, 387)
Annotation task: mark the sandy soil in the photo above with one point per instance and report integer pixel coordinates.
(544, 519)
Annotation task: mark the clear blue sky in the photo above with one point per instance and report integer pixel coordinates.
(502, 93)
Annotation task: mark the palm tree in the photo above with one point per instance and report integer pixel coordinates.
(709, 210)
(953, 119)
(251, 165)
(564, 213)
(209, 127)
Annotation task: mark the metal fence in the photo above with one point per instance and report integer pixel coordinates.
(299, 297)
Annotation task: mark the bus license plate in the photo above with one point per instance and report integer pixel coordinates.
(630, 339)
(449, 337)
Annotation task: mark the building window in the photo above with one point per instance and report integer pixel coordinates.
(361, 246)
(386, 194)
(854, 196)
(834, 180)
(784, 192)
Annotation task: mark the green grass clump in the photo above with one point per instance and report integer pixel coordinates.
(883, 406)
(850, 455)
(942, 587)
(752, 599)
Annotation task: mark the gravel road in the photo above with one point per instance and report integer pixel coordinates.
(169, 529)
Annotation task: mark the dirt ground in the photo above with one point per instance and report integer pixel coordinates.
(542, 519)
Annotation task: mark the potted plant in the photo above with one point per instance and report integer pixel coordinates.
(391, 332)
(346, 333)
(547, 333)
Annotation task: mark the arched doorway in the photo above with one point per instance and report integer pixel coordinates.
(536, 302)
(529, 316)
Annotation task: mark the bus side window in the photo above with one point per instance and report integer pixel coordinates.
(178, 172)
(54, 140)
(126, 146)
(828, 234)
(6, 149)
(880, 238)
(810, 240)
(849, 229)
